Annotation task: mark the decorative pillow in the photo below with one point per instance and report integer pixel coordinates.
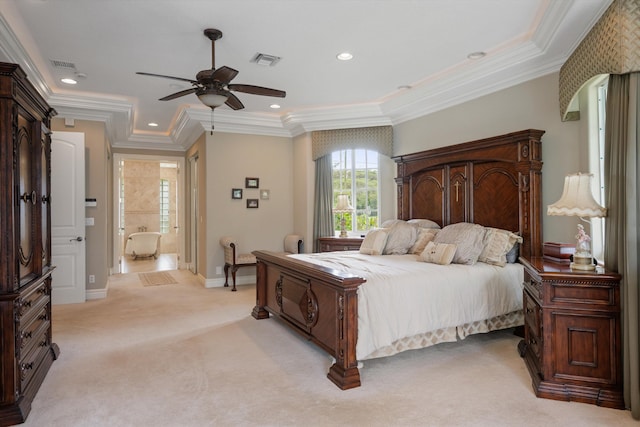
(374, 242)
(425, 235)
(468, 239)
(391, 222)
(424, 223)
(438, 253)
(400, 239)
(497, 244)
(513, 254)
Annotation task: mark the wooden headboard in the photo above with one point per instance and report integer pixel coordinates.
(495, 182)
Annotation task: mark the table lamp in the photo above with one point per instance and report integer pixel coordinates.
(343, 206)
(577, 200)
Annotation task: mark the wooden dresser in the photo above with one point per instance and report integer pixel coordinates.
(572, 345)
(330, 244)
(26, 350)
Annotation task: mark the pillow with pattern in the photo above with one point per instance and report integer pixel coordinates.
(497, 243)
(425, 235)
(468, 238)
(400, 239)
(374, 241)
(438, 253)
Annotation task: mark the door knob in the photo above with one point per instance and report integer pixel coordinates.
(77, 239)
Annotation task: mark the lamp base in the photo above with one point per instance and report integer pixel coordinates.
(582, 263)
(584, 267)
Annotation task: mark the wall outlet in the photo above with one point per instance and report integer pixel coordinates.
(92, 278)
(218, 270)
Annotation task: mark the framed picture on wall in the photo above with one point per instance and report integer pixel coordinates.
(264, 194)
(252, 203)
(236, 193)
(251, 182)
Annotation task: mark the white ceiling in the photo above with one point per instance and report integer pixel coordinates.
(420, 43)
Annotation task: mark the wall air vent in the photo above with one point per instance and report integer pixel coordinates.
(264, 59)
(63, 65)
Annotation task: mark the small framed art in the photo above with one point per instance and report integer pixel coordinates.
(264, 194)
(252, 203)
(251, 182)
(236, 193)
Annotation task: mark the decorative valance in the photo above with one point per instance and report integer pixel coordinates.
(378, 138)
(611, 47)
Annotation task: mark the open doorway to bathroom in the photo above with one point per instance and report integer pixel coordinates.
(148, 213)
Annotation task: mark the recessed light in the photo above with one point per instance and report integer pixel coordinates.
(274, 106)
(476, 55)
(344, 56)
(404, 87)
(153, 125)
(68, 81)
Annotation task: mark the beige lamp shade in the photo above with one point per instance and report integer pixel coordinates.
(343, 204)
(577, 199)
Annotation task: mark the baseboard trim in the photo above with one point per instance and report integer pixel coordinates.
(92, 294)
(240, 280)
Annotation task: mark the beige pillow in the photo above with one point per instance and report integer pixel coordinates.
(438, 253)
(374, 241)
(468, 239)
(425, 235)
(391, 222)
(400, 239)
(423, 223)
(497, 243)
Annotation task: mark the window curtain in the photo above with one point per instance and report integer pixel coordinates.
(323, 215)
(325, 142)
(622, 181)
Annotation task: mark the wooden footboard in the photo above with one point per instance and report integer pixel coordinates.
(319, 303)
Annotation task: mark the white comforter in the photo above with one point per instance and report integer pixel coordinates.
(404, 297)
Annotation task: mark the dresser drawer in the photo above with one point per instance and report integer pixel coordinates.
(32, 300)
(30, 363)
(533, 321)
(29, 333)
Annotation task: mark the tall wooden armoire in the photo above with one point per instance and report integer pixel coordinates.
(26, 349)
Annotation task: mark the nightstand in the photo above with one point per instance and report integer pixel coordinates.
(330, 244)
(572, 346)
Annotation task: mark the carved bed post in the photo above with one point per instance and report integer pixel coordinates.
(344, 372)
(259, 312)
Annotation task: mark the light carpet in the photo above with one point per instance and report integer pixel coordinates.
(183, 355)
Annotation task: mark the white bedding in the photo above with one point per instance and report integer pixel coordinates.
(406, 303)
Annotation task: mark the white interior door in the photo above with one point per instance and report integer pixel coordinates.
(67, 217)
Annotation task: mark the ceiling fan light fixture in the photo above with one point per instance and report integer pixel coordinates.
(212, 99)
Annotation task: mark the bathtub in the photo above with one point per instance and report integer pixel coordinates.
(143, 244)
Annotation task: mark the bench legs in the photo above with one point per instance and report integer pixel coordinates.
(233, 268)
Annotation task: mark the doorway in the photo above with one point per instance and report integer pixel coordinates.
(148, 200)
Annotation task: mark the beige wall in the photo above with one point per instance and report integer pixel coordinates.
(230, 158)
(531, 105)
(97, 186)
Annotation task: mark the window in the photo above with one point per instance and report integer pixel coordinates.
(355, 174)
(596, 166)
(164, 206)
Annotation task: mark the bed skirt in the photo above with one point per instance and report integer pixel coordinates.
(452, 334)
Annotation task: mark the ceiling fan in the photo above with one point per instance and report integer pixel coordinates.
(213, 86)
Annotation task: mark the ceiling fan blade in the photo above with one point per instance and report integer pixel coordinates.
(167, 77)
(234, 102)
(224, 74)
(179, 94)
(258, 90)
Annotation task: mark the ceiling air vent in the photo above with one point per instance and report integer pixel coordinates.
(63, 65)
(264, 59)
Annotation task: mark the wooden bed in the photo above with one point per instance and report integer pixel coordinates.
(494, 182)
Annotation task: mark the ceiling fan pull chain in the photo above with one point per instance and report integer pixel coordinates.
(212, 121)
